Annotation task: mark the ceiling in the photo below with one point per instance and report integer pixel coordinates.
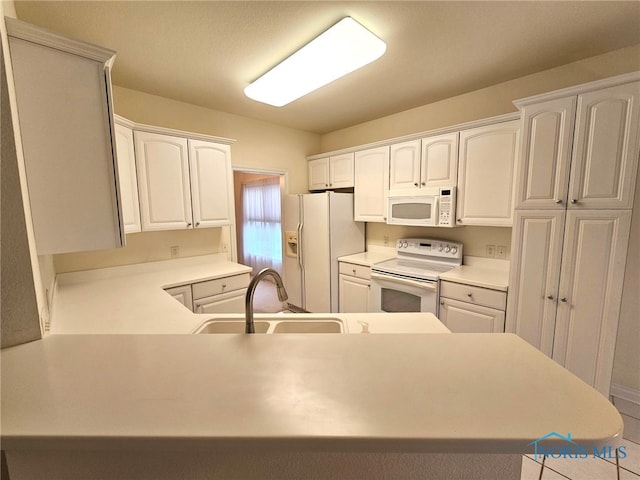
(206, 52)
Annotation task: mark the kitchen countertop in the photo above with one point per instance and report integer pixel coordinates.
(441, 393)
(131, 300)
(367, 259)
(480, 272)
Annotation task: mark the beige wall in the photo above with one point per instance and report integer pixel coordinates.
(483, 103)
(259, 145)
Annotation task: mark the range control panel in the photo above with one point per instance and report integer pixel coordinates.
(429, 248)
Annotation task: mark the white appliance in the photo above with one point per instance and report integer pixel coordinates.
(435, 209)
(319, 228)
(411, 281)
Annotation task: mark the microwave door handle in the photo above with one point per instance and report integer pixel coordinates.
(431, 286)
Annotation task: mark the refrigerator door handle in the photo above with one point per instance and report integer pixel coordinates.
(300, 263)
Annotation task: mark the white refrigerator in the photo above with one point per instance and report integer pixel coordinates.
(318, 228)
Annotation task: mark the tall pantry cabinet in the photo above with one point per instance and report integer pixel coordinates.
(574, 198)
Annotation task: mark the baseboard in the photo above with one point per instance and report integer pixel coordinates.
(627, 401)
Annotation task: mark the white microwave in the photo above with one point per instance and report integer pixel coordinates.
(436, 210)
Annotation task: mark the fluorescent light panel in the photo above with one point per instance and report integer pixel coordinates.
(343, 48)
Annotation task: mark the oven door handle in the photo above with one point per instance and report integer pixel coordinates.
(431, 286)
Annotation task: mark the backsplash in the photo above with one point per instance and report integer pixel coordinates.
(475, 239)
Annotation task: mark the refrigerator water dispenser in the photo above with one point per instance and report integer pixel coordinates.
(291, 242)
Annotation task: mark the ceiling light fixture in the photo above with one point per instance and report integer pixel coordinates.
(343, 48)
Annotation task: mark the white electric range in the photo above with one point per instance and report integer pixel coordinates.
(411, 281)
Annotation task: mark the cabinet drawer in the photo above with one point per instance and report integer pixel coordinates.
(354, 270)
(232, 302)
(220, 285)
(475, 295)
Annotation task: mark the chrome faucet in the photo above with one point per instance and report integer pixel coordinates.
(248, 299)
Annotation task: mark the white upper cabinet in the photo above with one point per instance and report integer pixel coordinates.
(580, 151)
(371, 185)
(405, 166)
(163, 180)
(128, 178)
(63, 95)
(485, 174)
(318, 174)
(331, 172)
(547, 136)
(439, 161)
(211, 184)
(605, 157)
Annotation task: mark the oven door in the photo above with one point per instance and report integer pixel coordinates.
(399, 294)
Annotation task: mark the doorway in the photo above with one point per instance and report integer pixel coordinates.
(258, 205)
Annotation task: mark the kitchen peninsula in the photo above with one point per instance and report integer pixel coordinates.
(88, 401)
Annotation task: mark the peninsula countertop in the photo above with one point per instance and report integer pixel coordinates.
(440, 393)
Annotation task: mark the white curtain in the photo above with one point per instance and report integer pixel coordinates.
(261, 224)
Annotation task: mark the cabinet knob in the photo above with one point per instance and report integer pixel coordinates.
(354, 271)
(550, 297)
(188, 224)
(563, 299)
(331, 184)
(441, 302)
(558, 200)
(415, 184)
(574, 201)
(459, 220)
(197, 224)
(423, 184)
(224, 285)
(469, 295)
(326, 184)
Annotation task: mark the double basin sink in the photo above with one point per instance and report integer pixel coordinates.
(274, 324)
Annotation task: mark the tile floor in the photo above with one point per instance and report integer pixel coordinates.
(585, 469)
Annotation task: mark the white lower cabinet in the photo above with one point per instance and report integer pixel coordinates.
(470, 309)
(232, 302)
(182, 294)
(221, 295)
(354, 289)
(566, 287)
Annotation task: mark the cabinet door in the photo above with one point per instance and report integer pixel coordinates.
(128, 179)
(405, 166)
(232, 302)
(593, 263)
(536, 251)
(462, 317)
(182, 294)
(163, 181)
(485, 174)
(354, 294)
(63, 97)
(211, 184)
(318, 174)
(605, 158)
(547, 137)
(371, 185)
(439, 161)
(341, 171)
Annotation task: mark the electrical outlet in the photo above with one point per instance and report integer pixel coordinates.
(491, 251)
(501, 251)
(175, 251)
(224, 246)
(386, 241)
